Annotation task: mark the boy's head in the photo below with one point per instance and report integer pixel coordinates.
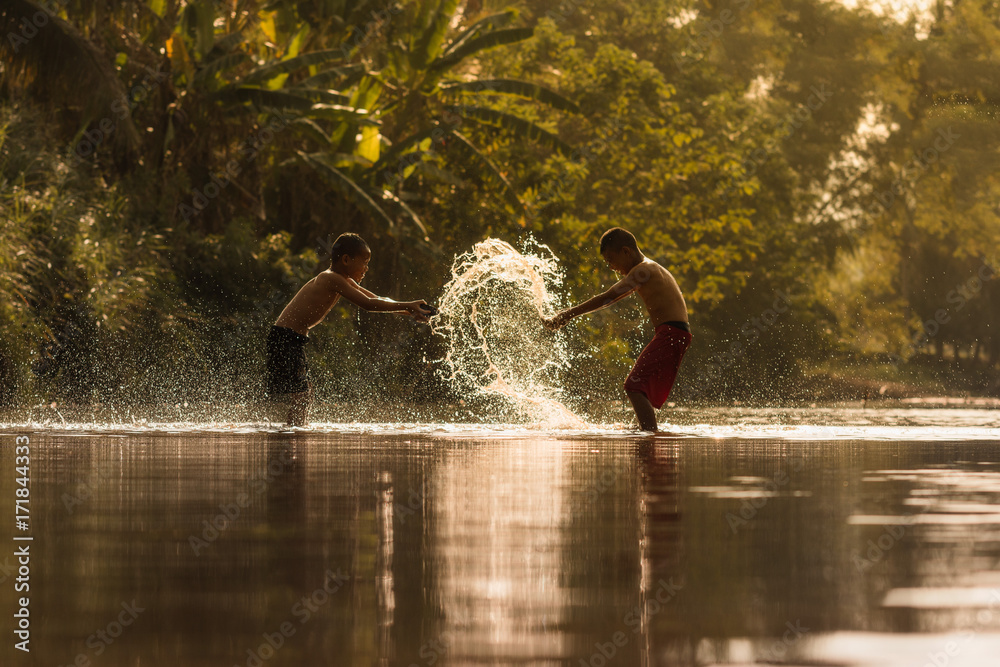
(619, 250)
(350, 255)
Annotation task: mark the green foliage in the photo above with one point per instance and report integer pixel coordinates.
(84, 275)
(194, 161)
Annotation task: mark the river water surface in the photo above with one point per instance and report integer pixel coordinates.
(798, 537)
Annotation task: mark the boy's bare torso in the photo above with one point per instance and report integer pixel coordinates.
(311, 304)
(659, 291)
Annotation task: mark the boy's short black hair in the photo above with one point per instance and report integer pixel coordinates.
(347, 244)
(618, 238)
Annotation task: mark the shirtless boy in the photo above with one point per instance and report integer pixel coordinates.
(287, 372)
(652, 377)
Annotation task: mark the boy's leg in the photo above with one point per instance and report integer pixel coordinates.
(643, 410)
(298, 408)
(287, 374)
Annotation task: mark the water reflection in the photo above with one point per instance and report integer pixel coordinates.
(385, 592)
(496, 515)
(657, 621)
(421, 549)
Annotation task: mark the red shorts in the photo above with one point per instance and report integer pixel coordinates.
(656, 368)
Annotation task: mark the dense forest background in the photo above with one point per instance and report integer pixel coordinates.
(821, 180)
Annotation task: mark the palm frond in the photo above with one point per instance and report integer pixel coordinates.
(488, 41)
(523, 89)
(271, 70)
(310, 128)
(324, 96)
(391, 157)
(346, 160)
(421, 19)
(429, 45)
(262, 98)
(514, 124)
(220, 64)
(407, 212)
(440, 174)
(488, 23)
(199, 21)
(332, 75)
(490, 173)
(59, 66)
(348, 187)
(342, 114)
(227, 43)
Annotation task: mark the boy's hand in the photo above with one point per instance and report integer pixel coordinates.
(558, 321)
(420, 311)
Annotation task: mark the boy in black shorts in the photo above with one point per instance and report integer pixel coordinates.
(287, 371)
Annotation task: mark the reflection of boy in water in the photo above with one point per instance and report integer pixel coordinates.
(287, 373)
(652, 377)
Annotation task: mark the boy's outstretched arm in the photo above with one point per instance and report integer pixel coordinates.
(366, 300)
(615, 293)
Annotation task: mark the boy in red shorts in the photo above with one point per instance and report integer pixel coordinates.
(652, 377)
(287, 372)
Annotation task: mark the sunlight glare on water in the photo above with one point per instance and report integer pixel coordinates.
(831, 423)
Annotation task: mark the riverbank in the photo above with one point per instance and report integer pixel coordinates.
(924, 381)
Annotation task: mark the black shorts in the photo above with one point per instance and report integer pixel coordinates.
(287, 372)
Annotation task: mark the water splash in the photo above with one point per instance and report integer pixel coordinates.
(498, 351)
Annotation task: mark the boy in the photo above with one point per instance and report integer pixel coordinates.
(652, 377)
(287, 373)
